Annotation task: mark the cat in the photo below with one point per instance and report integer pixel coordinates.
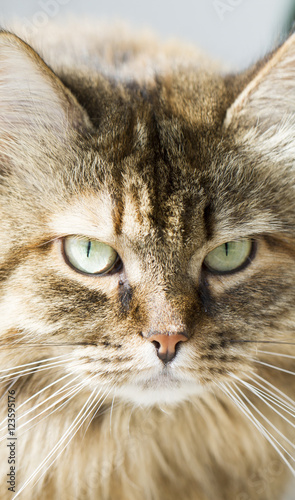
(147, 267)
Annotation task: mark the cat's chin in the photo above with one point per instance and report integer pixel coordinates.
(159, 391)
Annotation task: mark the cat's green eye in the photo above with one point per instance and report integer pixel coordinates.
(229, 257)
(89, 256)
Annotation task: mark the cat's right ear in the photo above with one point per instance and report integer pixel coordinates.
(268, 100)
(33, 100)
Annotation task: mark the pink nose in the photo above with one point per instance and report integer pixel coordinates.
(166, 344)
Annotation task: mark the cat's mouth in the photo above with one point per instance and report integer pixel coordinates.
(164, 388)
(148, 385)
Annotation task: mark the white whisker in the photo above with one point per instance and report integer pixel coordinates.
(273, 366)
(284, 404)
(64, 401)
(75, 429)
(34, 363)
(80, 416)
(37, 394)
(276, 354)
(29, 371)
(284, 396)
(273, 398)
(72, 390)
(49, 397)
(100, 402)
(245, 410)
(269, 423)
(8, 389)
(111, 411)
(40, 413)
(250, 388)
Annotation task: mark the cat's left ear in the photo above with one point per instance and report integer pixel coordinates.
(269, 99)
(33, 100)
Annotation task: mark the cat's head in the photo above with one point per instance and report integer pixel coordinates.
(147, 230)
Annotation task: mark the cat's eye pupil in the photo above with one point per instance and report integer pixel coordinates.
(88, 248)
(230, 257)
(226, 249)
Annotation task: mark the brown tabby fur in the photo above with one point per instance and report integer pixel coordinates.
(150, 149)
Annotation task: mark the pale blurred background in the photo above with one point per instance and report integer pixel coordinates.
(236, 32)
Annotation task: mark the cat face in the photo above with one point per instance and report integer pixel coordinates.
(149, 240)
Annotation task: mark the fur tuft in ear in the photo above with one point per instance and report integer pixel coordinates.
(32, 98)
(269, 100)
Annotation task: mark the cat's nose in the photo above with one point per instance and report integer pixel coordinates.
(166, 345)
